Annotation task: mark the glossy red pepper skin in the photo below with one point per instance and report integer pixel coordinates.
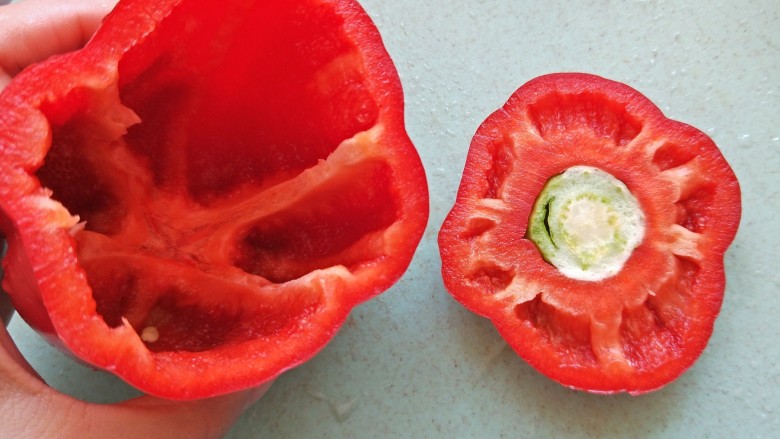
(197, 199)
(633, 332)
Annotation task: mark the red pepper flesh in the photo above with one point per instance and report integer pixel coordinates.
(197, 199)
(634, 331)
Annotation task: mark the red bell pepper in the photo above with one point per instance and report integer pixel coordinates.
(591, 230)
(197, 199)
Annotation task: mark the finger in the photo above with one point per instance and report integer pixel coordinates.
(154, 417)
(41, 413)
(33, 30)
(31, 409)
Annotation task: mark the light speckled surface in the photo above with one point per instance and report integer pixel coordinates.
(414, 363)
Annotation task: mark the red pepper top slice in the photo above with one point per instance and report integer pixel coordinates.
(633, 331)
(197, 199)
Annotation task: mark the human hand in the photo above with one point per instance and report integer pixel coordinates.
(33, 30)
(30, 31)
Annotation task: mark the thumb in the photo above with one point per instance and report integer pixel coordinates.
(151, 417)
(33, 30)
(31, 409)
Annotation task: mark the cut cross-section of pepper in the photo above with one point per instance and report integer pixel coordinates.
(197, 199)
(591, 230)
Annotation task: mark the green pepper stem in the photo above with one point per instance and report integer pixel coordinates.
(586, 223)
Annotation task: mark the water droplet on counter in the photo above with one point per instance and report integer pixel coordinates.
(344, 409)
(341, 410)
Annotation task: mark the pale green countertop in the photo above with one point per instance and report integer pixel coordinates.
(414, 363)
